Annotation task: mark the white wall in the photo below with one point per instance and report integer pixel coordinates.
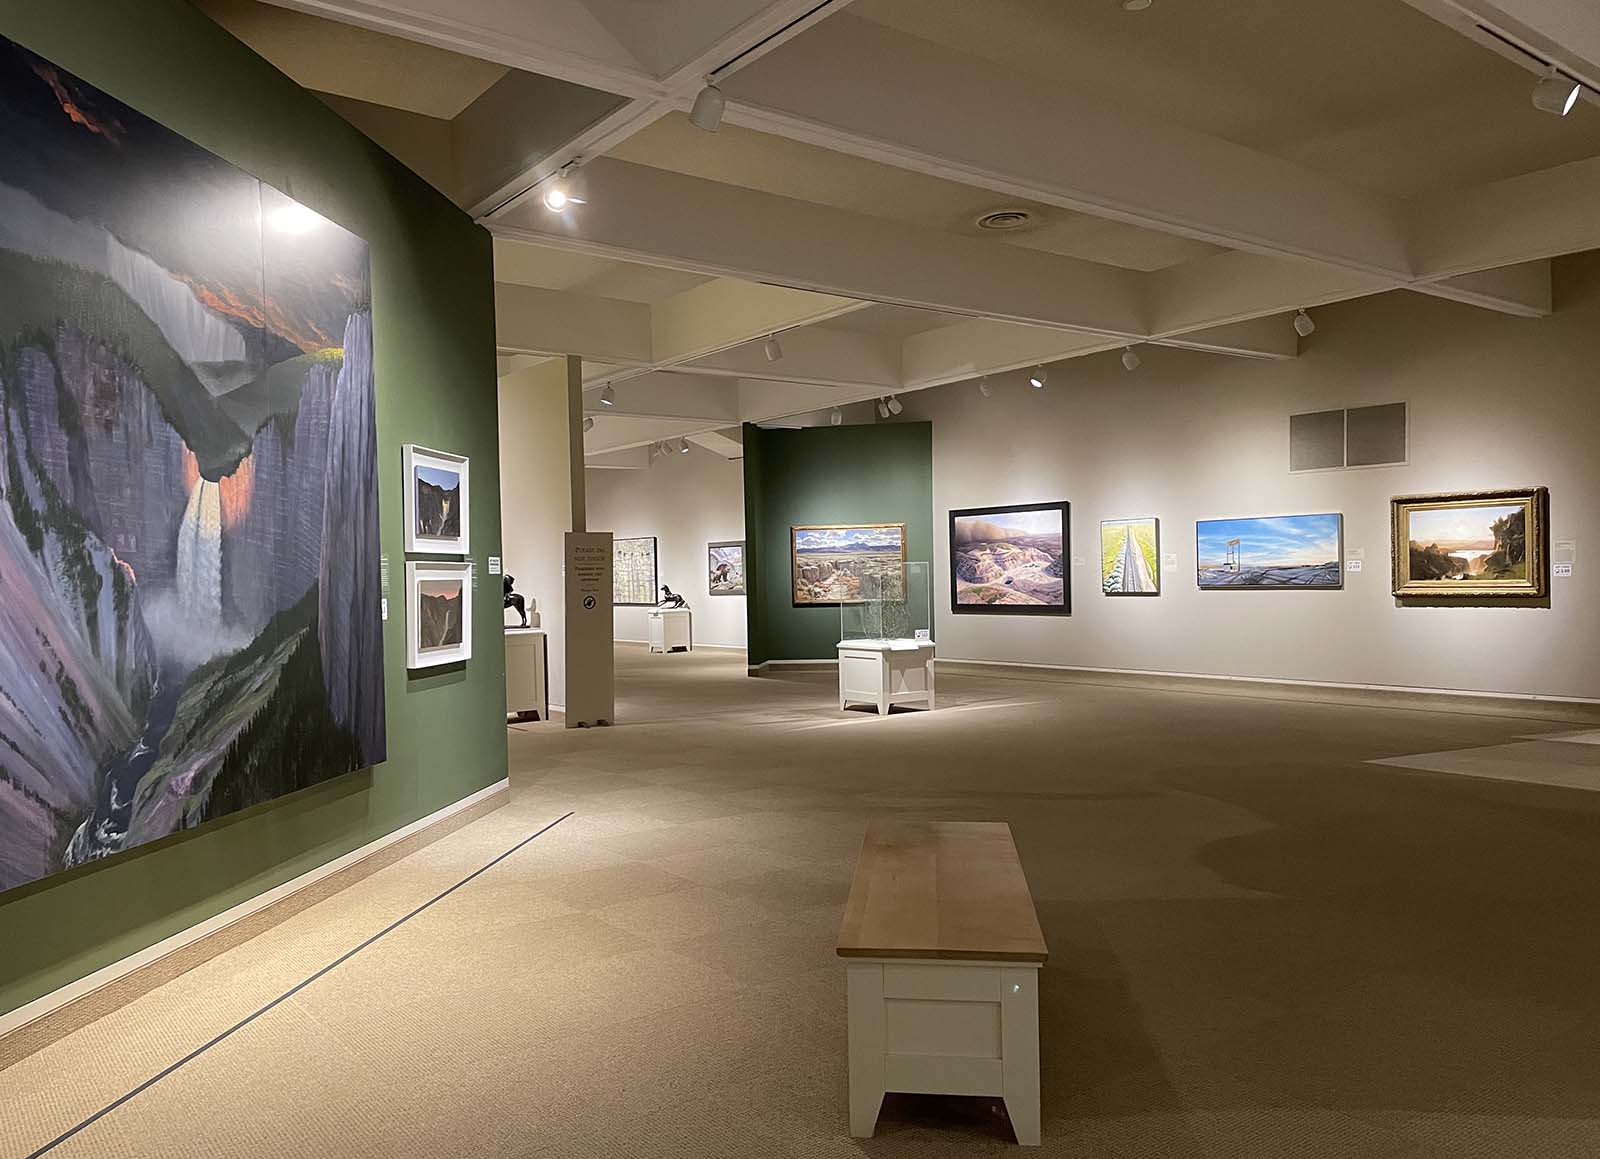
(536, 500)
(1495, 402)
(686, 502)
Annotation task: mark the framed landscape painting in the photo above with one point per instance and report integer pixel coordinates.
(725, 567)
(1304, 552)
(847, 563)
(438, 614)
(1472, 545)
(1011, 560)
(633, 572)
(1130, 557)
(435, 500)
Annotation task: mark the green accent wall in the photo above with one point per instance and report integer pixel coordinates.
(874, 473)
(434, 362)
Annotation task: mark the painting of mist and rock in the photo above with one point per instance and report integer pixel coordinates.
(1010, 559)
(189, 554)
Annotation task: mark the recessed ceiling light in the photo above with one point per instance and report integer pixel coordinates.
(1004, 219)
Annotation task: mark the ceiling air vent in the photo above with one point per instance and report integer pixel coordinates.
(1006, 219)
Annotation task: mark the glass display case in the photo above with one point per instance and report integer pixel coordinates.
(899, 604)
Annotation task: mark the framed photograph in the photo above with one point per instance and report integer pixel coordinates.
(1304, 552)
(725, 567)
(437, 499)
(847, 563)
(1011, 560)
(1472, 544)
(438, 613)
(1130, 556)
(633, 572)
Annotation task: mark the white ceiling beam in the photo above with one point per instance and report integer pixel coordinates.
(1235, 287)
(978, 123)
(665, 395)
(982, 346)
(635, 458)
(728, 311)
(1271, 337)
(1523, 289)
(817, 356)
(728, 442)
(1564, 31)
(532, 320)
(642, 214)
(761, 401)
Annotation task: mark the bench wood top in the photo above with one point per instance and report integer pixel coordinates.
(940, 889)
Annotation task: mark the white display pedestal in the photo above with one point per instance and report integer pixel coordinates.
(671, 630)
(886, 672)
(527, 673)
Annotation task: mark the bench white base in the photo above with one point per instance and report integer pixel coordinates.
(941, 1027)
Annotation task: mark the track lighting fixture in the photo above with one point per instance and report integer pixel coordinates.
(883, 409)
(706, 114)
(835, 416)
(608, 397)
(558, 190)
(771, 349)
(683, 446)
(1130, 360)
(895, 405)
(588, 424)
(1556, 93)
(1303, 325)
(984, 388)
(1037, 378)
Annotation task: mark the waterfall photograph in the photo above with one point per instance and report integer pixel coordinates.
(189, 537)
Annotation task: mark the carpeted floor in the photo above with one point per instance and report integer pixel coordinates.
(1262, 944)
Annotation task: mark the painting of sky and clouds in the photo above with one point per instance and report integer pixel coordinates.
(1278, 551)
(848, 563)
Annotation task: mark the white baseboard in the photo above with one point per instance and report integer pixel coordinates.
(697, 645)
(106, 975)
(1217, 676)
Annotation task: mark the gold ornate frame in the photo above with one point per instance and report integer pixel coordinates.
(1535, 586)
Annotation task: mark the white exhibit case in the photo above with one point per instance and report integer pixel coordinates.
(671, 630)
(886, 646)
(527, 674)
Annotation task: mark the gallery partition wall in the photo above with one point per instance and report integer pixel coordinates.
(1184, 491)
(224, 314)
(854, 478)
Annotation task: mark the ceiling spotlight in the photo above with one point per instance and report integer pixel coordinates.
(1036, 379)
(883, 409)
(984, 388)
(558, 193)
(1135, 5)
(1303, 325)
(608, 397)
(588, 424)
(683, 446)
(1556, 93)
(771, 348)
(1130, 360)
(707, 112)
(895, 405)
(836, 416)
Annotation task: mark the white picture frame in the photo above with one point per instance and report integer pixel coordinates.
(435, 523)
(424, 579)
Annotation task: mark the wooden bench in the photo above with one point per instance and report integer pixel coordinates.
(943, 949)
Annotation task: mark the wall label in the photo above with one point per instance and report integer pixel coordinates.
(921, 634)
(1169, 560)
(1561, 570)
(1356, 553)
(383, 608)
(1354, 564)
(1079, 561)
(494, 565)
(383, 571)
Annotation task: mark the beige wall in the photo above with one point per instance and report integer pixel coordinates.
(536, 499)
(1495, 402)
(686, 502)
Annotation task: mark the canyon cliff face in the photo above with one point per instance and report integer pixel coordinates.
(350, 629)
(77, 664)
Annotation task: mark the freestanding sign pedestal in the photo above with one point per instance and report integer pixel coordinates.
(590, 696)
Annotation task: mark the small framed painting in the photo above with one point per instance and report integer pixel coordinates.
(1011, 560)
(1472, 545)
(437, 501)
(438, 613)
(1270, 553)
(725, 567)
(1130, 557)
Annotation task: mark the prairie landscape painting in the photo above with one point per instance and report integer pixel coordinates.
(1485, 543)
(1276, 551)
(189, 559)
(1010, 559)
(848, 563)
(1130, 557)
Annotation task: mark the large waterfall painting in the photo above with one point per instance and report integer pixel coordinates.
(189, 568)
